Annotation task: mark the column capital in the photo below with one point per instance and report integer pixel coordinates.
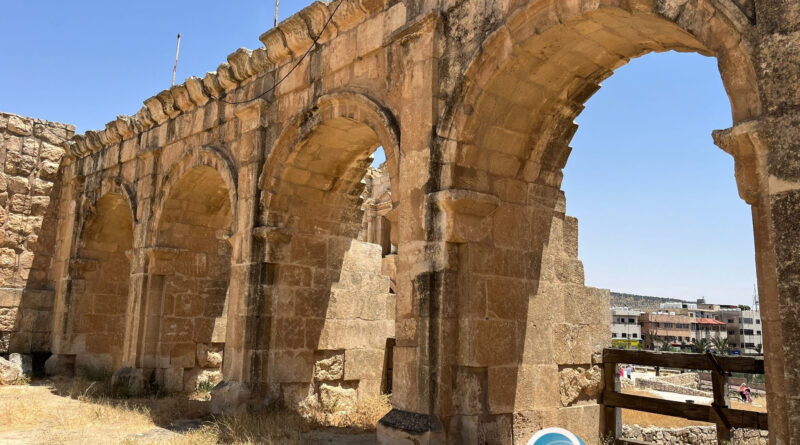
(463, 213)
(746, 143)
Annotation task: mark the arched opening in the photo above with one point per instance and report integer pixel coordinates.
(329, 273)
(189, 285)
(530, 333)
(660, 217)
(101, 273)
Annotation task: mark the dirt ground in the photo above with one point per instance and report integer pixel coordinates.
(70, 412)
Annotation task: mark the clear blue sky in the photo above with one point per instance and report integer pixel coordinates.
(657, 202)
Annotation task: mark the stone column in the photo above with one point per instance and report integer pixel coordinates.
(419, 270)
(245, 349)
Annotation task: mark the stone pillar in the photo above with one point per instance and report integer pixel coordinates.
(771, 200)
(146, 185)
(247, 321)
(416, 354)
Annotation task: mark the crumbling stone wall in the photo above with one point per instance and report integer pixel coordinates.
(30, 154)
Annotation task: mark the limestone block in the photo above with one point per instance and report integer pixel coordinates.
(229, 398)
(182, 355)
(339, 396)
(9, 372)
(8, 318)
(580, 384)
(19, 125)
(571, 344)
(329, 365)
(20, 164)
(292, 366)
(299, 395)
(209, 355)
(171, 378)
(537, 387)
(363, 364)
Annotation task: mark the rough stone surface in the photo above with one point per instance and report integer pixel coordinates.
(229, 398)
(260, 225)
(23, 361)
(9, 372)
(128, 382)
(696, 435)
(30, 154)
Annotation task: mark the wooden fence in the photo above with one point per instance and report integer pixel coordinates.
(719, 412)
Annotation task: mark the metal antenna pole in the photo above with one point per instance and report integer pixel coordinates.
(175, 67)
(276, 11)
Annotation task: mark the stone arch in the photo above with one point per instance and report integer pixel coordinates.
(525, 320)
(346, 108)
(211, 157)
(100, 273)
(522, 92)
(188, 266)
(332, 310)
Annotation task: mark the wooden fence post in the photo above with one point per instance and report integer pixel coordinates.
(613, 416)
(719, 384)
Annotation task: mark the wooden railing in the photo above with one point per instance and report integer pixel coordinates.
(719, 412)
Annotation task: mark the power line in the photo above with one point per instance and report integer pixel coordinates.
(299, 61)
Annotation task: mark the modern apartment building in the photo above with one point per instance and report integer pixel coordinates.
(744, 330)
(667, 326)
(708, 328)
(625, 330)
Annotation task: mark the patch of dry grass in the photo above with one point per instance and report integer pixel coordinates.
(79, 411)
(56, 420)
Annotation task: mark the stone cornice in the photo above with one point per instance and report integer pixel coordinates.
(282, 45)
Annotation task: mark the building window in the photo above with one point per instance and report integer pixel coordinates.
(730, 320)
(634, 335)
(758, 332)
(758, 321)
(624, 335)
(748, 321)
(631, 320)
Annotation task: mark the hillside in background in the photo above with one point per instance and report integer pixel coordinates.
(641, 302)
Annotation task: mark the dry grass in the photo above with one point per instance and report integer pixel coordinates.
(644, 419)
(79, 411)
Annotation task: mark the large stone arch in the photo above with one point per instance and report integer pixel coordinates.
(330, 305)
(343, 106)
(188, 267)
(523, 321)
(521, 93)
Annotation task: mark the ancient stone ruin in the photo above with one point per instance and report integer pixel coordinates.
(232, 228)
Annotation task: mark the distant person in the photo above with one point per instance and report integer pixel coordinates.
(621, 371)
(629, 370)
(744, 393)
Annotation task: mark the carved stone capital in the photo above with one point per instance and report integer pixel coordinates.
(463, 213)
(746, 144)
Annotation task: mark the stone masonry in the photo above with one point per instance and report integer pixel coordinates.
(30, 155)
(222, 219)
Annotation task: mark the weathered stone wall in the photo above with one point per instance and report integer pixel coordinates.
(30, 153)
(659, 385)
(696, 435)
(475, 104)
